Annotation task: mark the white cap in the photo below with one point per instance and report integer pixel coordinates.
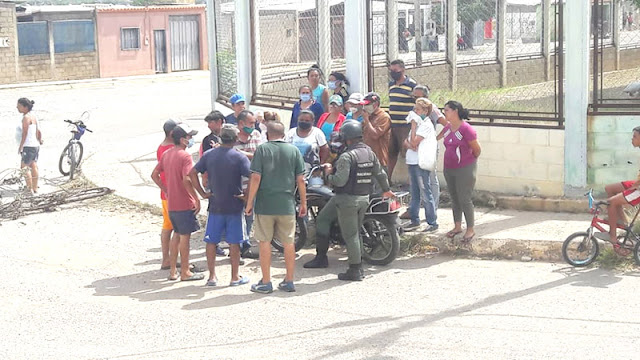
(355, 98)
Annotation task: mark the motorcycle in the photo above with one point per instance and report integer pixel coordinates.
(379, 229)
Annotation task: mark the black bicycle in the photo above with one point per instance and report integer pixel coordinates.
(72, 153)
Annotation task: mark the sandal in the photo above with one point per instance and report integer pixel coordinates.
(624, 252)
(466, 240)
(451, 234)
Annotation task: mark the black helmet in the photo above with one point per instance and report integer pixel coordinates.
(351, 129)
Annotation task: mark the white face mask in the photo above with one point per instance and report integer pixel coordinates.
(369, 109)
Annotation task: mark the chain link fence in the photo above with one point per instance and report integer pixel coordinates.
(225, 51)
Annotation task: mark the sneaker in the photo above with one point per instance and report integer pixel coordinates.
(319, 262)
(431, 228)
(287, 286)
(241, 281)
(262, 288)
(220, 251)
(412, 226)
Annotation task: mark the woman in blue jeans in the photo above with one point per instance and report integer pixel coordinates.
(421, 130)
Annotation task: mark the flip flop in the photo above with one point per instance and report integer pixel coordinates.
(170, 278)
(212, 282)
(193, 277)
(241, 281)
(168, 267)
(451, 234)
(467, 240)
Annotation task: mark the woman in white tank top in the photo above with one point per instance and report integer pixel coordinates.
(29, 144)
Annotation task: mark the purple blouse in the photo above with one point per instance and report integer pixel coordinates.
(458, 153)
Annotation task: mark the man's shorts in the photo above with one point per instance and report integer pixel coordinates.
(631, 195)
(230, 225)
(184, 222)
(166, 222)
(398, 135)
(281, 227)
(30, 154)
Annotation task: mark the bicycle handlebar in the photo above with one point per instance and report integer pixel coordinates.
(78, 123)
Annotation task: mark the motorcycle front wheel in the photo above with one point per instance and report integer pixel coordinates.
(300, 236)
(380, 239)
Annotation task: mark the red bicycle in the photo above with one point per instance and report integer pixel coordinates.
(581, 248)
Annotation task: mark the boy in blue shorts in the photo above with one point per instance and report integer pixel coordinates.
(225, 168)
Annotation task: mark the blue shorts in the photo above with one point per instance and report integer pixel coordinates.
(231, 225)
(30, 154)
(184, 222)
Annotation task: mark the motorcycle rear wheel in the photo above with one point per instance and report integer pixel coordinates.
(380, 239)
(300, 236)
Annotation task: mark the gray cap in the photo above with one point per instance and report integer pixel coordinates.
(169, 125)
(229, 132)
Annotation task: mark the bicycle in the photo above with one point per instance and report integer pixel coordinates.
(72, 153)
(586, 243)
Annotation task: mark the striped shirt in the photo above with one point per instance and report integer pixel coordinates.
(401, 101)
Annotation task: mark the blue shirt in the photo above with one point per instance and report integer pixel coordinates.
(350, 117)
(231, 119)
(316, 108)
(225, 168)
(317, 93)
(327, 129)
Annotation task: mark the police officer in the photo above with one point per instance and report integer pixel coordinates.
(352, 181)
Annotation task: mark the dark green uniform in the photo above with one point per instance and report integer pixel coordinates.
(355, 171)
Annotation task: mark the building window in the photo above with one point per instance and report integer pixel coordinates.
(74, 36)
(33, 38)
(130, 38)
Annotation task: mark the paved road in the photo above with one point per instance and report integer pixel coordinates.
(97, 293)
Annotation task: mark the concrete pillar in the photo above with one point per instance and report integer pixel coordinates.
(576, 100)
(213, 52)
(324, 36)
(392, 30)
(255, 46)
(52, 51)
(242, 18)
(546, 38)
(502, 41)
(417, 20)
(452, 16)
(356, 55)
(617, 15)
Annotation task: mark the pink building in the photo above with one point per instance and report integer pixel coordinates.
(149, 40)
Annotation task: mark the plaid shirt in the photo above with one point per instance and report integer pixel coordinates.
(252, 143)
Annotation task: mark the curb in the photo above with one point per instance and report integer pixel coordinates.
(575, 206)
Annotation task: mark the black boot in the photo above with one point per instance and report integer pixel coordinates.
(321, 260)
(354, 273)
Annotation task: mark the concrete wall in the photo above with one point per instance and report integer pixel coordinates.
(73, 66)
(35, 67)
(611, 157)
(8, 55)
(525, 72)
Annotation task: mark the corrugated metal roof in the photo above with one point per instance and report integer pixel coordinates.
(124, 8)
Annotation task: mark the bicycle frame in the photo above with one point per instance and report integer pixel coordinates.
(597, 222)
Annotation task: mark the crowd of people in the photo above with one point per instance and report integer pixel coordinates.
(250, 165)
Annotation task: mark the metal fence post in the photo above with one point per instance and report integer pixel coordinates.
(502, 41)
(255, 47)
(577, 93)
(243, 46)
(356, 56)
(392, 30)
(617, 14)
(324, 37)
(546, 38)
(417, 19)
(213, 52)
(452, 17)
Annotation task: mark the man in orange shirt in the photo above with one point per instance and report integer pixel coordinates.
(167, 228)
(376, 128)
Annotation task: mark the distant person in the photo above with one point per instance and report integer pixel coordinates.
(630, 20)
(167, 229)
(400, 103)
(319, 92)
(238, 104)
(277, 168)
(308, 139)
(306, 103)
(354, 107)
(182, 200)
(376, 128)
(338, 84)
(624, 21)
(333, 119)
(267, 117)
(30, 141)
(460, 165)
(225, 168)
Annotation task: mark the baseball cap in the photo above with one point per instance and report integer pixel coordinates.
(236, 98)
(355, 99)
(183, 130)
(371, 98)
(335, 99)
(169, 125)
(229, 132)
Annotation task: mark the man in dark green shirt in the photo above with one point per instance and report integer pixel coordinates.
(353, 182)
(277, 167)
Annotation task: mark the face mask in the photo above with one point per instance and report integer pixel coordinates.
(305, 125)
(332, 85)
(191, 142)
(305, 97)
(368, 109)
(395, 75)
(248, 130)
(423, 116)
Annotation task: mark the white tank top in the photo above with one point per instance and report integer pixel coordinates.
(31, 139)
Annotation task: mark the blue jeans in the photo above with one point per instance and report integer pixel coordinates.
(421, 190)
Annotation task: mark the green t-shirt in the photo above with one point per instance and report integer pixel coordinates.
(279, 164)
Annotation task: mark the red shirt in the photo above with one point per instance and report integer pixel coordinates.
(161, 150)
(336, 126)
(176, 164)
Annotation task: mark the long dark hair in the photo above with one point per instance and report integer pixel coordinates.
(340, 77)
(28, 104)
(462, 112)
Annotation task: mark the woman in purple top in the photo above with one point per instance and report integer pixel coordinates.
(460, 163)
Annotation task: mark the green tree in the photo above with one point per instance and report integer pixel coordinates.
(470, 11)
